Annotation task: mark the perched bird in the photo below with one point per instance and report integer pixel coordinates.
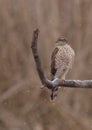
(61, 60)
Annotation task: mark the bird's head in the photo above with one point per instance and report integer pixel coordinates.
(61, 41)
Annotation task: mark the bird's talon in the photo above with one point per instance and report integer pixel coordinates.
(63, 81)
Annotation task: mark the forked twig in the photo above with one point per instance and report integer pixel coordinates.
(47, 83)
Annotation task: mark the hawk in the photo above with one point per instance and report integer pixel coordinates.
(61, 60)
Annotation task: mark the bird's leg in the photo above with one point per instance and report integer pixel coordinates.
(63, 79)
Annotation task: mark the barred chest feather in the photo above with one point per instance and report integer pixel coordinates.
(64, 57)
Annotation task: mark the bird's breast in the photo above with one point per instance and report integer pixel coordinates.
(64, 57)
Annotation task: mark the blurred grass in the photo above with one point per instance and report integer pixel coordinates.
(23, 105)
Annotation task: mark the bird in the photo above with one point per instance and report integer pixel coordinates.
(62, 59)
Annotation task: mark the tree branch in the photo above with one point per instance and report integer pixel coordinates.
(47, 83)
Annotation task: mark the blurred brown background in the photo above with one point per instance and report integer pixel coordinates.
(23, 105)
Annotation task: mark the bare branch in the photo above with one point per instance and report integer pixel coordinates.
(75, 83)
(47, 83)
(36, 57)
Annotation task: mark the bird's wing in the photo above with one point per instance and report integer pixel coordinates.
(53, 68)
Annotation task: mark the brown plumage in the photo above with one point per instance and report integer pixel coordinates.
(53, 69)
(62, 59)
